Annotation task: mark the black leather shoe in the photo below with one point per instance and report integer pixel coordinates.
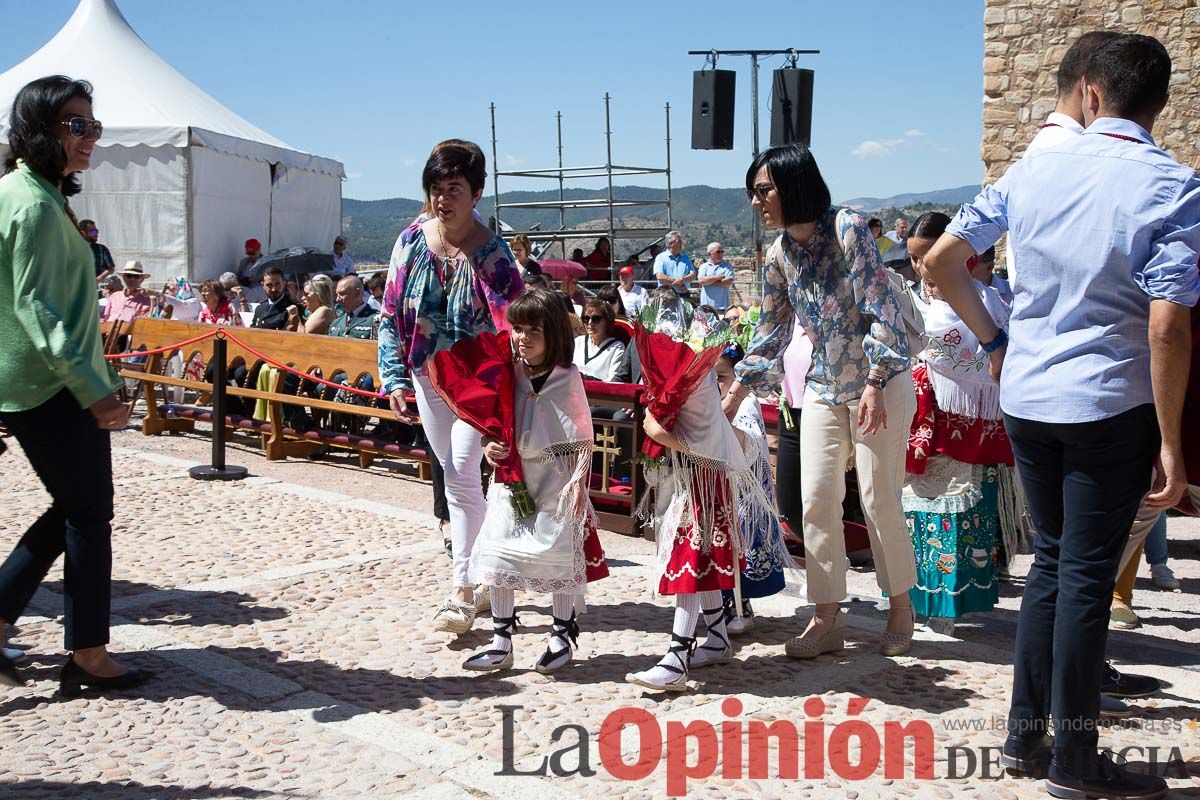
(1105, 780)
(1027, 756)
(74, 679)
(8, 672)
(1118, 684)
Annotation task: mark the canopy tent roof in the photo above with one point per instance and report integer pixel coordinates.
(142, 99)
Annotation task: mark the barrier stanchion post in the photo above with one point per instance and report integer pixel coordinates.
(218, 470)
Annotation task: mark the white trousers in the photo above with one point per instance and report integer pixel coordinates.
(828, 435)
(457, 447)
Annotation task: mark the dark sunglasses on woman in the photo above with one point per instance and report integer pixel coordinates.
(80, 127)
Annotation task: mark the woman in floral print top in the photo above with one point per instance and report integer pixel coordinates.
(825, 271)
(450, 279)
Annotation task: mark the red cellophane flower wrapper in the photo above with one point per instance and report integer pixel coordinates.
(475, 378)
(671, 371)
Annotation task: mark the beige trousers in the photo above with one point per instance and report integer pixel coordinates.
(828, 435)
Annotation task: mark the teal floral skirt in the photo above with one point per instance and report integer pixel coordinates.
(954, 540)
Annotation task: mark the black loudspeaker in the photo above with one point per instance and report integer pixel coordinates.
(791, 106)
(712, 109)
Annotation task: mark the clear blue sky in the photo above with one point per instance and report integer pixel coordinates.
(897, 108)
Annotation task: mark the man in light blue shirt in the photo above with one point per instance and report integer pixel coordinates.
(715, 278)
(1105, 228)
(673, 268)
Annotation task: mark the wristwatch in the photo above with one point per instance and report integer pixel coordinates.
(878, 383)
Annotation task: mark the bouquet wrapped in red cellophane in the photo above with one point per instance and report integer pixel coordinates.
(677, 348)
(475, 378)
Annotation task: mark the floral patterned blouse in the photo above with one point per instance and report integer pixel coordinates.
(838, 289)
(429, 304)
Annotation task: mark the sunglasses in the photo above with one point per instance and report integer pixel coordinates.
(80, 127)
(760, 191)
(590, 318)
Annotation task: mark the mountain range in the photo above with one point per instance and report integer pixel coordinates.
(702, 213)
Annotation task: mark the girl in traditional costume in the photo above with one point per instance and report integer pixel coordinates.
(960, 494)
(766, 549)
(701, 484)
(555, 549)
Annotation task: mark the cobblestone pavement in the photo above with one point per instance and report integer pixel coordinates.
(287, 618)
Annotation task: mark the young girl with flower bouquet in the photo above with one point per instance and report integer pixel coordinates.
(702, 482)
(550, 544)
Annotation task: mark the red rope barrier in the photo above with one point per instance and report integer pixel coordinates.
(167, 349)
(279, 365)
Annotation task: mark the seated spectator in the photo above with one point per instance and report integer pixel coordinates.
(610, 295)
(577, 255)
(598, 354)
(318, 311)
(217, 310)
(599, 261)
(875, 226)
(247, 270)
(108, 287)
(131, 302)
(375, 286)
(178, 301)
(343, 264)
(273, 314)
(540, 281)
(569, 285)
(522, 251)
(633, 297)
(101, 257)
(355, 317)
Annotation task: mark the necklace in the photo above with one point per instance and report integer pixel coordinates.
(446, 245)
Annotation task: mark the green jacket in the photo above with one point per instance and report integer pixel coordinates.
(49, 314)
(362, 325)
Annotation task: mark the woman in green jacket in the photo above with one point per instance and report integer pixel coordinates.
(56, 390)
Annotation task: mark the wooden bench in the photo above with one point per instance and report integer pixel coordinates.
(615, 501)
(280, 440)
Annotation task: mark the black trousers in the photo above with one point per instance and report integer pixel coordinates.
(73, 459)
(1084, 482)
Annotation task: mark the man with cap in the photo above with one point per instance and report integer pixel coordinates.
(633, 297)
(343, 264)
(252, 284)
(132, 301)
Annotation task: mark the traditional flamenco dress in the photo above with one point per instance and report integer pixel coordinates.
(555, 549)
(961, 495)
(698, 494)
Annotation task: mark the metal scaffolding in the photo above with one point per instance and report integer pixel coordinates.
(562, 174)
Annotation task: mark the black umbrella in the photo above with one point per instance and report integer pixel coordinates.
(897, 252)
(294, 261)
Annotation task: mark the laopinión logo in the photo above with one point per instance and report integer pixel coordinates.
(737, 749)
(852, 749)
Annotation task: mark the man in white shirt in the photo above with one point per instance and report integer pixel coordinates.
(633, 297)
(343, 264)
(900, 233)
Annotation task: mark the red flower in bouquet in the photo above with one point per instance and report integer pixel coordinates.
(671, 371)
(475, 378)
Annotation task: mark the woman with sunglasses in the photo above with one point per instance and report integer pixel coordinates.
(858, 395)
(56, 390)
(599, 356)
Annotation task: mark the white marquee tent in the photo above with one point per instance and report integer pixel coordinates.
(178, 181)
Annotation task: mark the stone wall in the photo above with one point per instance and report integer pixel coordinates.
(1024, 42)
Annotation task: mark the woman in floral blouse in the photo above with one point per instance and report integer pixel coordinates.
(825, 271)
(215, 306)
(450, 276)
